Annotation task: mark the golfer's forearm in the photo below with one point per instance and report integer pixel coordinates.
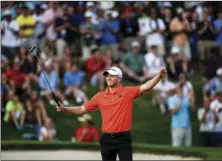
(150, 84)
(77, 110)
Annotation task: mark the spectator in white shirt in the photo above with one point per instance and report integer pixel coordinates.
(9, 32)
(156, 27)
(153, 61)
(160, 93)
(48, 131)
(216, 106)
(187, 86)
(208, 119)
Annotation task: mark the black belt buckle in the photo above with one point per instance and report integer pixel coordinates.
(112, 135)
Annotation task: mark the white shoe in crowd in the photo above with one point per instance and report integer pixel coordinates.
(65, 102)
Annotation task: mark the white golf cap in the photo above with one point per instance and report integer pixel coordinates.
(175, 50)
(135, 44)
(115, 14)
(84, 118)
(219, 71)
(90, 4)
(114, 71)
(7, 12)
(48, 63)
(172, 86)
(167, 4)
(88, 14)
(179, 10)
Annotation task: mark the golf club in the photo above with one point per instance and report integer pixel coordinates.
(31, 49)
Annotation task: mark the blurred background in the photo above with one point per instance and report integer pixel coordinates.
(77, 41)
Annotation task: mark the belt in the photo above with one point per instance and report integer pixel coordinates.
(115, 134)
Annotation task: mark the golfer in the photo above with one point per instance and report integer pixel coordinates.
(115, 105)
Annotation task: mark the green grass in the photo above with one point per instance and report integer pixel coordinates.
(199, 152)
(149, 126)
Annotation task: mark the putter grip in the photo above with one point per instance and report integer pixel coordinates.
(55, 99)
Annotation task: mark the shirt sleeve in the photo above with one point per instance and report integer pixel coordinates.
(161, 24)
(200, 113)
(171, 103)
(133, 92)
(93, 104)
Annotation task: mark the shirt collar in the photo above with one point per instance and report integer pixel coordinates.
(119, 89)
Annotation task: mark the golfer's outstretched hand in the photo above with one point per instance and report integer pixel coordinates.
(60, 107)
(162, 72)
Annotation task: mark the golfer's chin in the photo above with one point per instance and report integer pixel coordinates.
(111, 85)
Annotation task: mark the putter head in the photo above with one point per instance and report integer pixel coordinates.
(31, 49)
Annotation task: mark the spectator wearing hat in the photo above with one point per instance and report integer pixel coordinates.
(94, 68)
(216, 106)
(208, 119)
(213, 84)
(10, 36)
(53, 80)
(91, 7)
(161, 93)
(176, 64)
(27, 26)
(88, 31)
(155, 35)
(154, 61)
(87, 133)
(133, 64)
(179, 26)
(186, 85)
(179, 106)
(206, 37)
(110, 34)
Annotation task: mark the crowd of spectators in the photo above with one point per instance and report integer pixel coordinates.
(77, 41)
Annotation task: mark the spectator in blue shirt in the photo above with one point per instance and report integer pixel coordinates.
(110, 30)
(73, 80)
(218, 28)
(53, 80)
(179, 106)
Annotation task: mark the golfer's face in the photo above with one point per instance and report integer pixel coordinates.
(112, 80)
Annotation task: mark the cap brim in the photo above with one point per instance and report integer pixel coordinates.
(111, 72)
(80, 119)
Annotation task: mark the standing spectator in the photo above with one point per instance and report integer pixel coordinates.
(154, 61)
(133, 63)
(208, 119)
(53, 79)
(48, 131)
(216, 106)
(88, 31)
(40, 28)
(91, 7)
(206, 34)
(186, 85)
(179, 26)
(48, 18)
(36, 111)
(213, 85)
(94, 69)
(110, 34)
(88, 132)
(180, 123)
(200, 10)
(9, 32)
(73, 80)
(129, 28)
(15, 112)
(160, 93)
(27, 25)
(218, 29)
(176, 64)
(155, 35)
(194, 37)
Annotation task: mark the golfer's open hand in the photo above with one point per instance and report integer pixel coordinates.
(162, 72)
(60, 107)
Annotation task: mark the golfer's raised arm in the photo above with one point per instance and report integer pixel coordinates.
(151, 83)
(76, 110)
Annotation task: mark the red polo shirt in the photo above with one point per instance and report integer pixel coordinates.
(16, 76)
(115, 108)
(91, 135)
(93, 66)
